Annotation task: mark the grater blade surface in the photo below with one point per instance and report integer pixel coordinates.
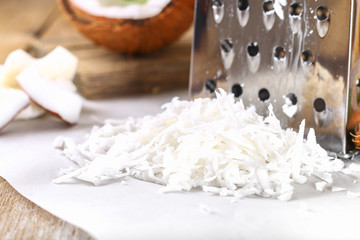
(300, 56)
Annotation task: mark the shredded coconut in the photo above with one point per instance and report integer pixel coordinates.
(217, 145)
(338, 189)
(320, 186)
(353, 194)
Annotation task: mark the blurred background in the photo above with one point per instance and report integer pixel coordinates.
(38, 26)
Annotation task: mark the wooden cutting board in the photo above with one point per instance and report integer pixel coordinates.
(103, 73)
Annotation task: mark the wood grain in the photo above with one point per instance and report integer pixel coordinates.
(22, 219)
(105, 74)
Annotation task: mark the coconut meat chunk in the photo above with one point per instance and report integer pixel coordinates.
(130, 11)
(59, 63)
(15, 62)
(30, 112)
(57, 101)
(12, 102)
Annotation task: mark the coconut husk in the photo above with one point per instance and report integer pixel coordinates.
(133, 36)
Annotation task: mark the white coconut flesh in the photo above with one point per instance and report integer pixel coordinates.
(15, 62)
(122, 9)
(47, 94)
(12, 101)
(30, 112)
(59, 63)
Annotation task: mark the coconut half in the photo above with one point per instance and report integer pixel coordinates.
(130, 28)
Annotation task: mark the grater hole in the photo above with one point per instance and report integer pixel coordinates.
(319, 105)
(243, 12)
(268, 6)
(295, 9)
(357, 82)
(253, 49)
(279, 53)
(217, 3)
(210, 85)
(264, 94)
(226, 45)
(237, 90)
(243, 5)
(292, 97)
(227, 52)
(322, 13)
(307, 57)
(218, 9)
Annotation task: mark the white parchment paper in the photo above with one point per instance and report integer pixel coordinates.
(135, 210)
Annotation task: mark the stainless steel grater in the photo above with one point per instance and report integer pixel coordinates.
(300, 56)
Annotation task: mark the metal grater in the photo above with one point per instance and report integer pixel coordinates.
(300, 56)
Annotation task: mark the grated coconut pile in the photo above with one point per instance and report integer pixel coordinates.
(217, 145)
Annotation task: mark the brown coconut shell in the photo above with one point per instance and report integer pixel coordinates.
(133, 36)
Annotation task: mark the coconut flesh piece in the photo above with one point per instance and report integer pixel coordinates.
(120, 10)
(15, 62)
(59, 102)
(12, 101)
(58, 64)
(34, 111)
